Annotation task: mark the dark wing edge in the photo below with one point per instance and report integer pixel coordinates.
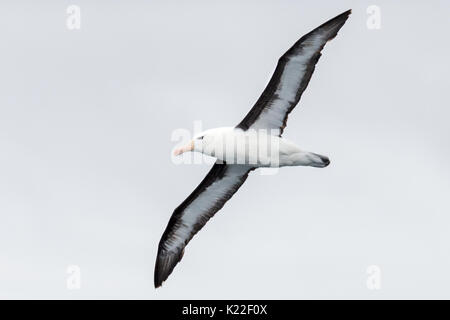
(219, 185)
(270, 97)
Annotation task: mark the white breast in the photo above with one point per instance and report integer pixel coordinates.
(251, 147)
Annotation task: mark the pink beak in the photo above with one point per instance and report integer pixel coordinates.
(184, 149)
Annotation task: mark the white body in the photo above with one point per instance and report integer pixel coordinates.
(258, 148)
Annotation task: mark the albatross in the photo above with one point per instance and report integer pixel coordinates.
(231, 169)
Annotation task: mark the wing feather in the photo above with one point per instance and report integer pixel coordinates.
(290, 79)
(212, 193)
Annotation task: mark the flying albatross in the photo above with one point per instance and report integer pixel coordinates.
(269, 115)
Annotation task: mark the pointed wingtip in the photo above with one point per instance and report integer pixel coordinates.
(165, 263)
(345, 13)
(334, 24)
(340, 18)
(343, 16)
(157, 279)
(162, 270)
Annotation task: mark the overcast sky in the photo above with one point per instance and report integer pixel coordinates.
(86, 176)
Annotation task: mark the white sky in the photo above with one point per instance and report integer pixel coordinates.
(86, 118)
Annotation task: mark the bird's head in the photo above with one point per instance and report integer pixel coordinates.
(196, 144)
(204, 142)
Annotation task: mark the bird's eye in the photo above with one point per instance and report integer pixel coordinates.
(200, 138)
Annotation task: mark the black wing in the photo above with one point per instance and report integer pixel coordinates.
(217, 187)
(290, 79)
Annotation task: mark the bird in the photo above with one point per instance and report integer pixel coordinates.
(268, 118)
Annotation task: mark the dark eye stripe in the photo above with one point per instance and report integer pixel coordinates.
(200, 138)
